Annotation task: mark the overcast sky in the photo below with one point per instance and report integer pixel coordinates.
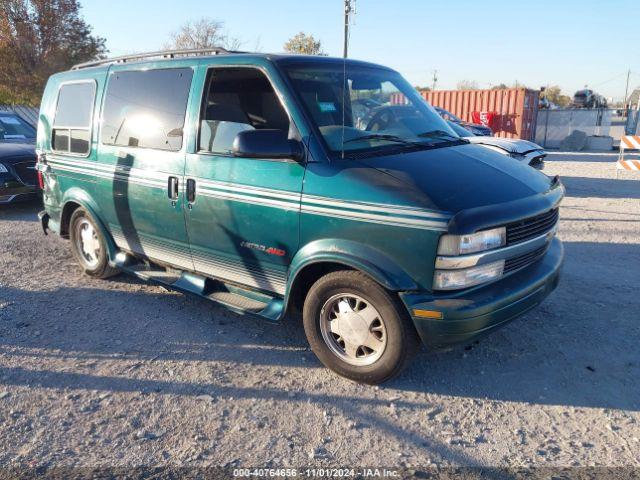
(570, 43)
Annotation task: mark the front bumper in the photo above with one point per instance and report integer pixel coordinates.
(471, 313)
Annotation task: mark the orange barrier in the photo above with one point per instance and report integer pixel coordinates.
(628, 142)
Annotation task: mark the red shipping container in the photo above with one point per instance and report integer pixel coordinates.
(511, 112)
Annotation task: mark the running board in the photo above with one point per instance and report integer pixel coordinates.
(237, 299)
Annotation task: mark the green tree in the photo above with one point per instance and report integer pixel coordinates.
(37, 39)
(203, 33)
(554, 95)
(303, 43)
(500, 86)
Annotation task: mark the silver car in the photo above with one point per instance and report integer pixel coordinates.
(522, 150)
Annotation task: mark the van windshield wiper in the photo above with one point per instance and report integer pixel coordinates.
(390, 138)
(441, 134)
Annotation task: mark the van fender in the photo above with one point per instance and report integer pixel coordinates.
(355, 255)
(82, 198)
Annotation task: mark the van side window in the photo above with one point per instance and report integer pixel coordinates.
(72, 121)
(237, 99)
(146, 108)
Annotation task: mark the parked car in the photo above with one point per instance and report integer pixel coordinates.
(524, 151)
(243, 178)
(475, 128)
(588, 99)
(18, 176)
(545, 104)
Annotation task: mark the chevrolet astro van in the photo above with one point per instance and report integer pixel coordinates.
(275, 184)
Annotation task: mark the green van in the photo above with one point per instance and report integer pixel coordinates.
(277, 184)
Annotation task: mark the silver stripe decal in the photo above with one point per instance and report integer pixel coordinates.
(110, 176)
(224, 269)
(210, 267)
(248, 190)
(380, 219)
(385, 214)
(154, 250)
(113, 169)
(355, 205)
(248, 199)
(271, 276)
(376, 207)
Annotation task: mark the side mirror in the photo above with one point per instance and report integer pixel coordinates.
(267, 144)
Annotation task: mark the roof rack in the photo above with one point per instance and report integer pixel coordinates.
(160, 54)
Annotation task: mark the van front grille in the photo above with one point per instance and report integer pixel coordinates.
(521, 261)
(531, 227)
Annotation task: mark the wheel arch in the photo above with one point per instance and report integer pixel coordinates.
(324, 256)
(75, 198)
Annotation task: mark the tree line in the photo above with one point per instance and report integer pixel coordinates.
(41, 37)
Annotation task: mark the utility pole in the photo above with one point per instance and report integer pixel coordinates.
(626, 91)
(435, 79)
(347, 14)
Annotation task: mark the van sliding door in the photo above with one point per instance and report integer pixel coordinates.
(142, 158)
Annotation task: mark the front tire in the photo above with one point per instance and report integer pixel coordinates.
(358, 329)
(89, 246)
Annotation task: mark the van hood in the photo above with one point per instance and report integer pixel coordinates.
(458, 178)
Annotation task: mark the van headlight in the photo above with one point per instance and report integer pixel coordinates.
(3, 169)
(475, 242)
(467, 277)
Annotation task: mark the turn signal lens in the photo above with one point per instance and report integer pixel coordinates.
(417, 312)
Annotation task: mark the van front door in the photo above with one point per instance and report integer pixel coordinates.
(243, 213)
(142, 158)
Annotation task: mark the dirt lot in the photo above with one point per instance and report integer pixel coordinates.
(120, 373)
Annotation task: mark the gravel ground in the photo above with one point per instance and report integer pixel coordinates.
(121, 373)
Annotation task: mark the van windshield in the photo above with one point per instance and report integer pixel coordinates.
(374, 110)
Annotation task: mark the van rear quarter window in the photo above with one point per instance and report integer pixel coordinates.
(72, 122)
(146, 108)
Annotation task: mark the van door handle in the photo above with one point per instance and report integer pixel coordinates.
(191, 190)
(172, 188)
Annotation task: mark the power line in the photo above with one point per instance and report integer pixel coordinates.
(610, 80)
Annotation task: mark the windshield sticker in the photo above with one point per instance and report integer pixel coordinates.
(9, 121)
(13, 137)
(326, 107)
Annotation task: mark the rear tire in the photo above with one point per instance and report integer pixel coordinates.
(357, 328)
(89, 246)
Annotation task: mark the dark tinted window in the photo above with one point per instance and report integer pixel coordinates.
(146, 108)
(75, 104)
(13, 127)
(60, 141)
(80, 140)
(72, 123)
(238, 99)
